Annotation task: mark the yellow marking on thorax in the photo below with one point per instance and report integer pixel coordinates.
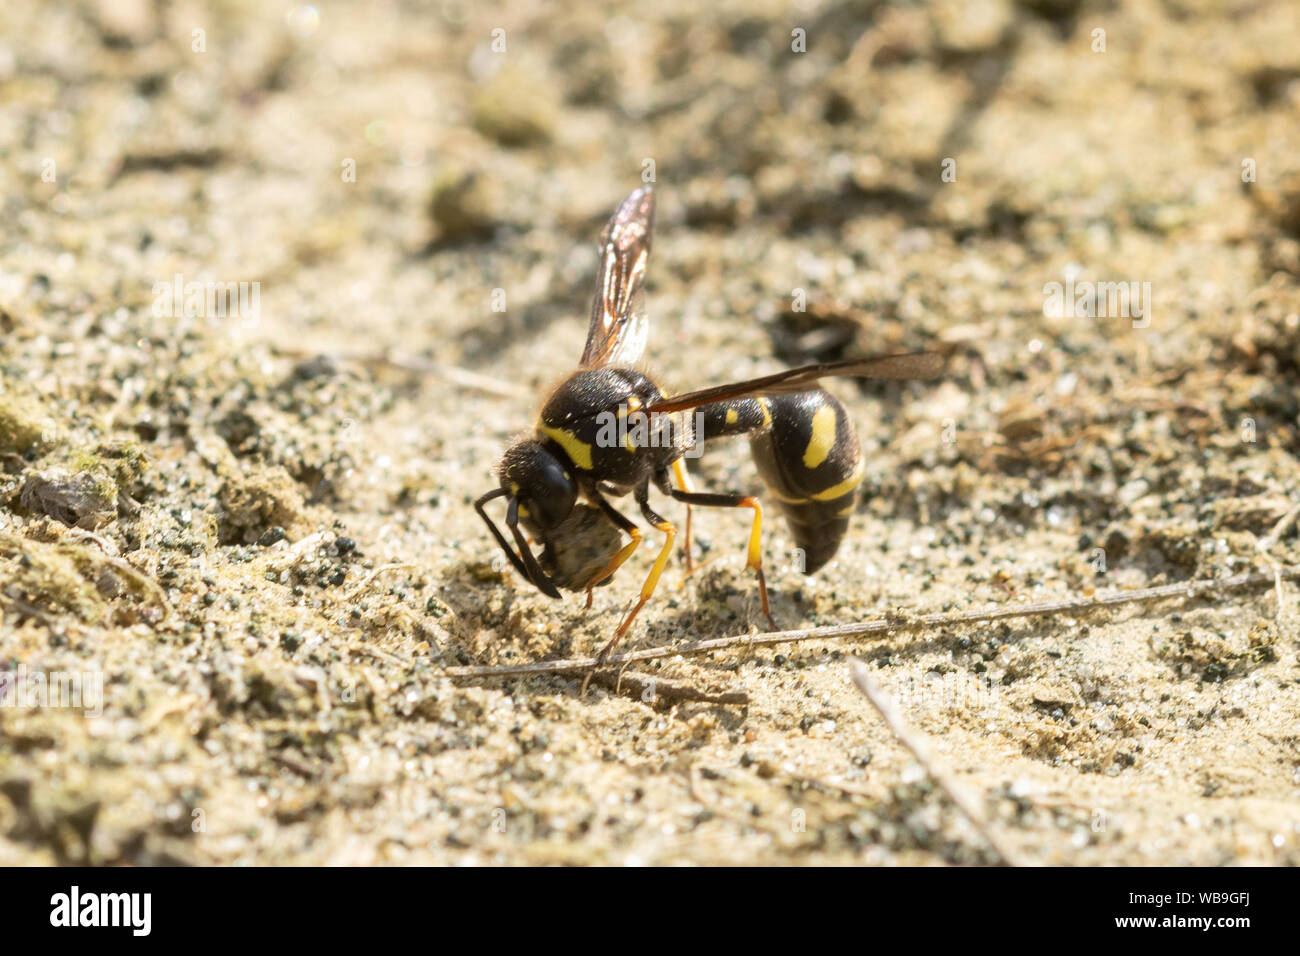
(767, 412)
(577, 450)
(823, 437)
(733, 416)
(843, 488)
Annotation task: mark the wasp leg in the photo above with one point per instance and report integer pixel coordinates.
(755, 553)
(684, 483)
(624, 553)
(652, 579)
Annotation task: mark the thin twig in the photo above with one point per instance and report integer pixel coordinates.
(1279, 529)
(919, 748)
(456, 375)
(652, 689)
(290, 762)
(365, 582)
(112, 556)
(1266, 545)
(421, 366)
(105, 545)
(881, 628)
(24, 608)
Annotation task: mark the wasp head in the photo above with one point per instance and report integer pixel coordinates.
(540, 493)
(532, 473)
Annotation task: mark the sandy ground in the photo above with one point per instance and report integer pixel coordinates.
(192, 504)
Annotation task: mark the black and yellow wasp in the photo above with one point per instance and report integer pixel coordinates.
(608, 430)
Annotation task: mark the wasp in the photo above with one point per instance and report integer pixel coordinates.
(608, 430)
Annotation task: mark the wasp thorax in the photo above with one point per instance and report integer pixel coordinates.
(534, 474)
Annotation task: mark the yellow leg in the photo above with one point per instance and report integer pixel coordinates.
(755, 556)
(647, 589)
(684, 482)
(615, 562)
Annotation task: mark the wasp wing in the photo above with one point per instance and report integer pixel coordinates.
(618, 327)
(905, 366)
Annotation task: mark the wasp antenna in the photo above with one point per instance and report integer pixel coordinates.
(496, 532)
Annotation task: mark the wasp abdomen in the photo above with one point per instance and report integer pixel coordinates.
(809, 458)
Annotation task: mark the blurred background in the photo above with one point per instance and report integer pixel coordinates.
(410, 194)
